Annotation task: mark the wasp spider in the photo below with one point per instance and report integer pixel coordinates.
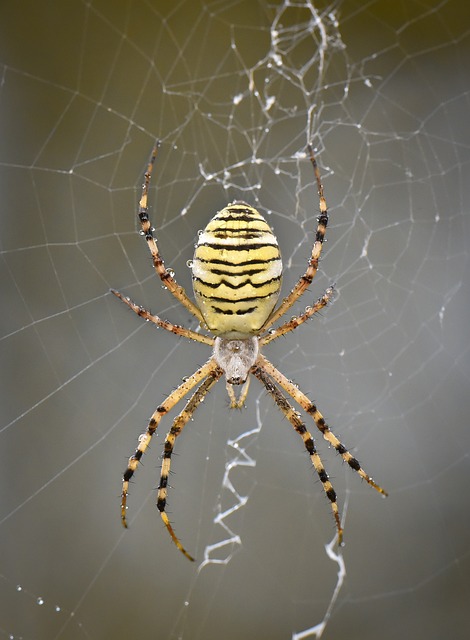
(236, 272)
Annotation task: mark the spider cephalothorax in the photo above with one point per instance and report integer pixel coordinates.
(237, 273)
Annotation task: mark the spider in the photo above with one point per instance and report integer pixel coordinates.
(236, 273)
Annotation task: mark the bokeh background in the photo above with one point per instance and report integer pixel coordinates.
(235, 90)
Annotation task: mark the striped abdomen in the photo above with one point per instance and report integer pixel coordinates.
(237, 271)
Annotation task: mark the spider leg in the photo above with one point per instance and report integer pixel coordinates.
(293, 417)
(147, 230)
(310, 408)
(177, 427)
(164, 324)
(305, 280)
(144, 439)
(296, 321)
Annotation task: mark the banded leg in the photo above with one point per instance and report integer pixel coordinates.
(147, 231)
(177, 427)
(296, 321)
(293, 417)
(306, 280)
(160, 411)
(164, 324)
(310, 408)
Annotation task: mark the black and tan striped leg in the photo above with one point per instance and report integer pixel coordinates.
(177, 427)
(147, 231)
(306, 280)
(163, 324)
(144, 440)
(293, 417)
(296, 321)
(310, 408)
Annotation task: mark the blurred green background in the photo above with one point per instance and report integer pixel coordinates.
(235, 90)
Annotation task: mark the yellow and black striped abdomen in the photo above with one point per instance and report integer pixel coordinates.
(237, 272)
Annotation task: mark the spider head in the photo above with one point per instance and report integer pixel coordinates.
(236, 357)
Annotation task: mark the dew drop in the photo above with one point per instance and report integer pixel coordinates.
(269, 102)
(40, 601)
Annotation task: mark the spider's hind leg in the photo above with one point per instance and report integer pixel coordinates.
(163, 273)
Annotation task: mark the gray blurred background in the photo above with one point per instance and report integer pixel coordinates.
(235, 90)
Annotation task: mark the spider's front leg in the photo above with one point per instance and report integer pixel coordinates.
(311, 409)
(177, 427)
(293, 417)
(160, 411)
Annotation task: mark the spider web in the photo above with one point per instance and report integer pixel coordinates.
(235, 90)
